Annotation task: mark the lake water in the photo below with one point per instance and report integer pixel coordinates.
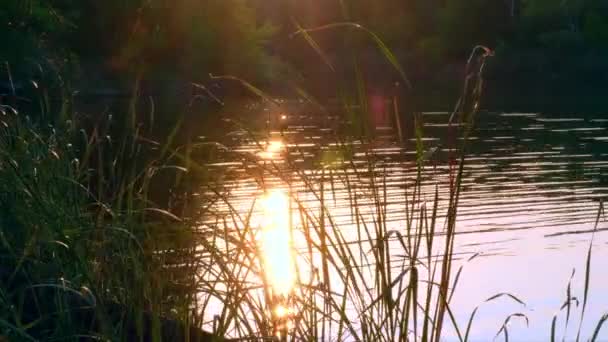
(531, 190)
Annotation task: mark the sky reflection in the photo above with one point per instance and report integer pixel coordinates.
(528, 207)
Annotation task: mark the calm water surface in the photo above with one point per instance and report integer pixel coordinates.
(531, 194)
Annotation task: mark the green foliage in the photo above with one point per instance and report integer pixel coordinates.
(80, 232)
(555, 9)
(562, 40)
(220, 36)
(31, 33)
(595, 28)
(464, 24)
(185, 37)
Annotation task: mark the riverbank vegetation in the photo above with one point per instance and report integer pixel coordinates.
(557, 46)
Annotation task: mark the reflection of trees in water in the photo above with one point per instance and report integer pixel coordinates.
(532, 149)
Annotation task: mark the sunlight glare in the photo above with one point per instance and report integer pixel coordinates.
(276, 243)
(274, 146)
(283, 312)
(272, 149)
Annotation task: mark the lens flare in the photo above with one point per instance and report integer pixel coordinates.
(276, 244)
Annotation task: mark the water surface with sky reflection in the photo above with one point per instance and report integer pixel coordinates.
(532, 188)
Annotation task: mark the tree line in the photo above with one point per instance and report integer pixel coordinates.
(116, 39)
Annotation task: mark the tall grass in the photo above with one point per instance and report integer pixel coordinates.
(115, 236)
(86, 251)
(355, 288)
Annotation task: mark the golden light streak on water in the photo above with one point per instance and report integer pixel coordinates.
(272, 149)
(276, 244)
(274, 146)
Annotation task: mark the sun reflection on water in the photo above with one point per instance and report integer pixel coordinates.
(272, 149)
(276, 244)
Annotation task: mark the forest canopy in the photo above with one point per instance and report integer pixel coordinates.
(188, 39)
